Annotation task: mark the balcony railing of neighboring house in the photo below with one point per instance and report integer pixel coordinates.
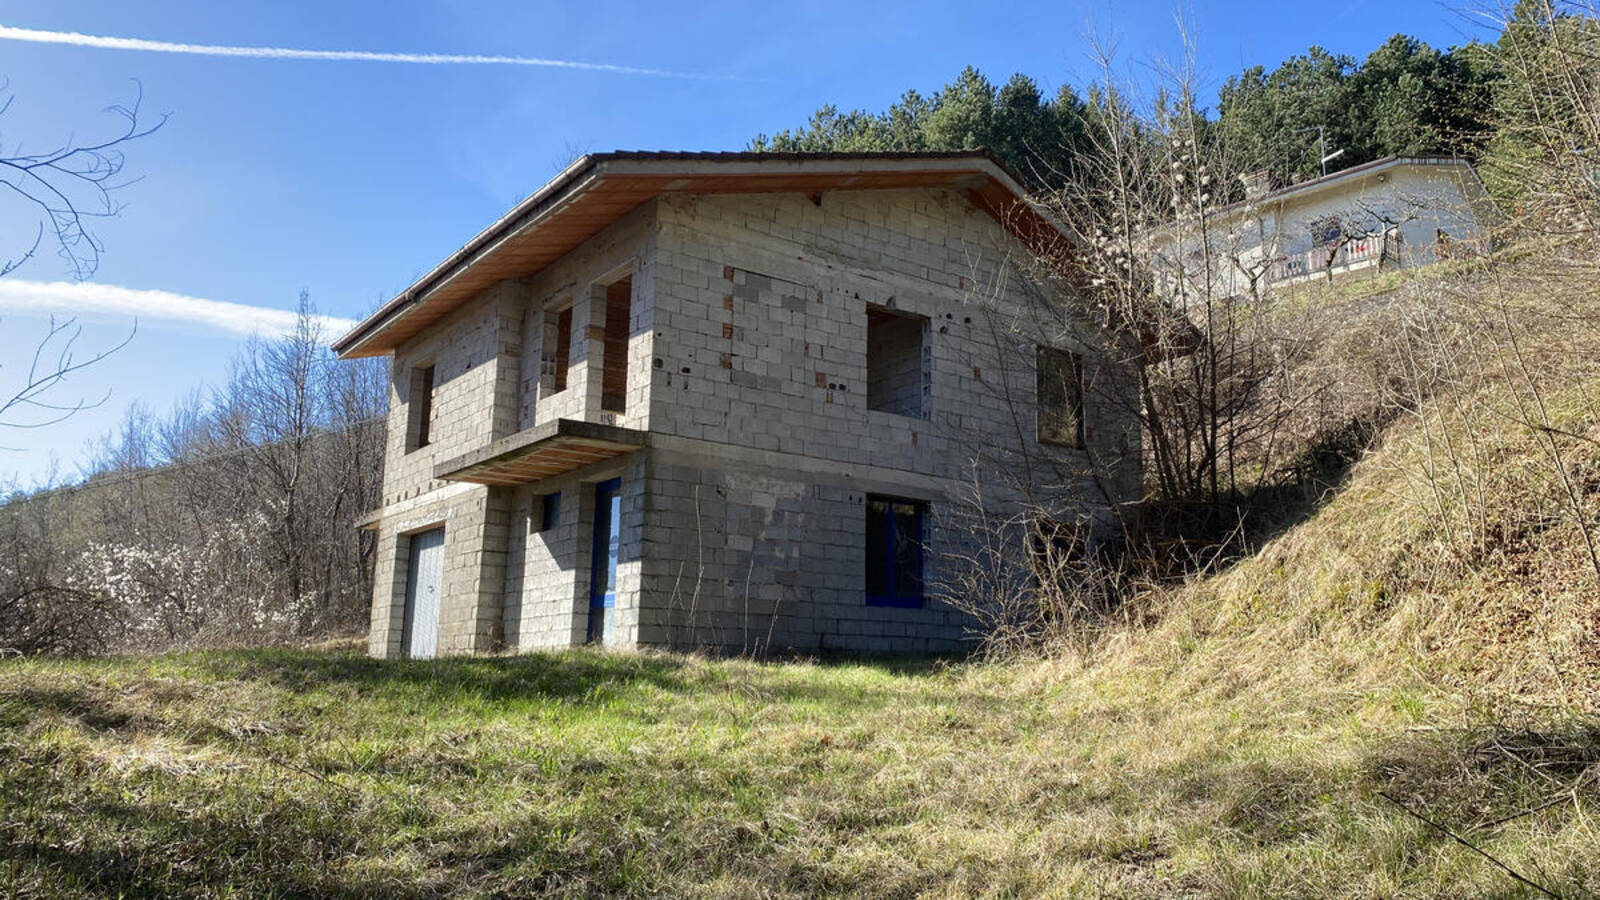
(1378, 249)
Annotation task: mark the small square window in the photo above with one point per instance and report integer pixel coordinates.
(894, 551)
(549, 511)
(1059, 384)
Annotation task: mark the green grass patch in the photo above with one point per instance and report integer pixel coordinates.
(280, 773)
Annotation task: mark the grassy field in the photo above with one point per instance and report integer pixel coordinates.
(584, 773)
(1397, 696)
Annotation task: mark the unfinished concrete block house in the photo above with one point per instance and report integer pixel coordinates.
(726, 400)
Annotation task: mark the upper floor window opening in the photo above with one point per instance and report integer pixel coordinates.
(614, 352)
(897, 362)
(556, 350)
(1059, 397)
(419, 421)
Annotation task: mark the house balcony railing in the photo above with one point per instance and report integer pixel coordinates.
(1377, 249)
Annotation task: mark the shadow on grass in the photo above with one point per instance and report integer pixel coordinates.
(578, 675)
(21, 704)
(76, 823)
(1481, 781)
(563, 675)
(154, 840)
(1476, 776)
(1191, 536)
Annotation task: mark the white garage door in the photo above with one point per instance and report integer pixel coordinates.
(423, 585)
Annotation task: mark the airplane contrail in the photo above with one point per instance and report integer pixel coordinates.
(76, 39)
(88, 298)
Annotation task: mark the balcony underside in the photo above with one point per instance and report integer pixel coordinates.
(543, 451)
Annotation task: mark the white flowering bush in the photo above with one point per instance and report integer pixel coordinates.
(215, 591)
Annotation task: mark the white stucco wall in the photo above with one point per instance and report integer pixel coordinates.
(1419, 199)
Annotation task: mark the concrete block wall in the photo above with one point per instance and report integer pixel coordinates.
(803, 383)
(624, 249)
(765, 447)
(747, 347)
(745, 549)
(486, 386)
(548, 573)
(460, 510)
(476, 355)
(741, 361)
(385, 631)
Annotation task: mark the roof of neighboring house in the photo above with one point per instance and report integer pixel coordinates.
(600, 188)
(1330, 182)
(1344, 176)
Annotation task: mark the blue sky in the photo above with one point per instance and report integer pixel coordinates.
(350, 178)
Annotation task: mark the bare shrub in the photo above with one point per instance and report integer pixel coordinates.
(1029, 581)
(229, 521)
(43, 609)
(1486, 354)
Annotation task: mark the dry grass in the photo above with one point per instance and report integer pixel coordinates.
(1188, 761)
(1239, 743)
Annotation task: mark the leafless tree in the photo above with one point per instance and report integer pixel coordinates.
(1542, 156)
(35, 402)
(65, 189)
(1229, 395)
(229, 520)
(71, 185)
(1170, 269)
(43, 609)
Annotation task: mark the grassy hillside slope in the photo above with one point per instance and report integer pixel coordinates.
(1429, 638)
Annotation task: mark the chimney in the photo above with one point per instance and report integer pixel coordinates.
(1257, 184)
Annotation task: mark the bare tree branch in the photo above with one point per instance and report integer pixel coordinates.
(67, 187)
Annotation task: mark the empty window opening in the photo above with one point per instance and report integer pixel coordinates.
(894, 551)
(1059, 383)
(897, 363)
(1326, 232)
(614, 361)
(549, 511)
(557, 350)
(419, 428)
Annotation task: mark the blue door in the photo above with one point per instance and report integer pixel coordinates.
(603, 575)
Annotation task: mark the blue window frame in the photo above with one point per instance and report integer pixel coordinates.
(894, 551)
(550, 511)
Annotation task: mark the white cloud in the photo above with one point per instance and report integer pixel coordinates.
(87, 298)
(75, 39)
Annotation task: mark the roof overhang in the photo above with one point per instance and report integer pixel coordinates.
(601, 188)
(543, 451)
(1334, 181)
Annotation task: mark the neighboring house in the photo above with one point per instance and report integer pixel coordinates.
(1398, 212)
(730, 399)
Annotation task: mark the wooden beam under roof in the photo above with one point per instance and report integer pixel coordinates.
(543, 451)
